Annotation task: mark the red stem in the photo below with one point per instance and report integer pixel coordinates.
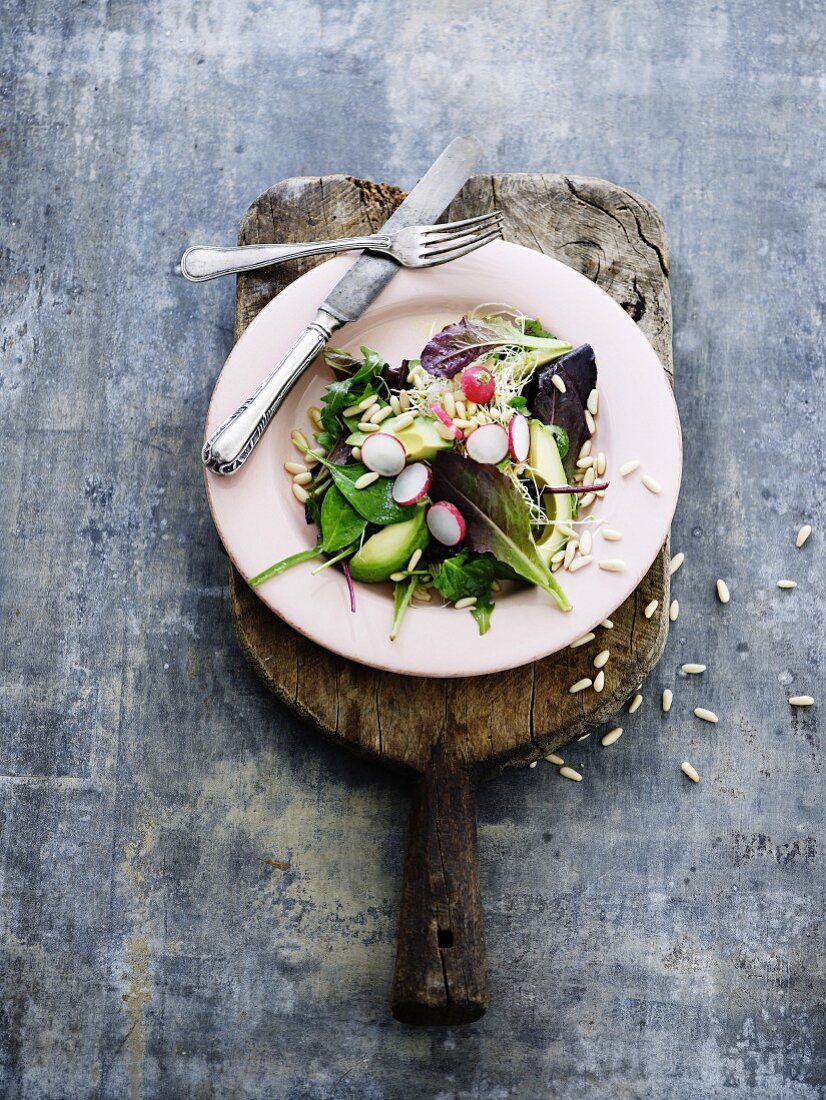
(597, 487)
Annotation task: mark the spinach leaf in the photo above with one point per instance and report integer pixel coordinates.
(402, 595)
(464, 575)
(285, 563)
(349, 390)
(340, 523)
(482, 611)
(375, 502)
(497, 518)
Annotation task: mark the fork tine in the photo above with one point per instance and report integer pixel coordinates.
(435, 248)
(433, 259)
(438, 233)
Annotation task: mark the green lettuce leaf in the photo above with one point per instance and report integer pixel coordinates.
(340, 523)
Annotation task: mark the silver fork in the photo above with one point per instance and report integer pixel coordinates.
(416, 246)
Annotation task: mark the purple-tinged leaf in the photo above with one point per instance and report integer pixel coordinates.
(578, 370)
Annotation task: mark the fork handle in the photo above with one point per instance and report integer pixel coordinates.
(229, 447)
(200, 263)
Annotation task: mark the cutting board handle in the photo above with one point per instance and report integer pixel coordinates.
(441, 974)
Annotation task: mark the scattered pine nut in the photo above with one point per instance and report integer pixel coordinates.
(381, 415)
(366, 427)
(569, 773)
(368, 402)
(461, 411)
(552, 758)
(590, 422)
(449, 404)
(357, 454)
(602, 464)
(584, 737)
(570, 551)
(396, 577)
(592, 403)
(295, 467)
(558, 557)
(723, 593)
(802, 535)
(589, 637)
(801, 701)
(674, 610)
(467, 601)
(612, 565)
(395, 405)
(629, 467)
(692, 670)
(610, 535)
(675, 563)
(706, 715)
(585, 543)
(300, 493)
(690, 771)
(585, 449)
(580, 685)
(601, 659)
(404, 421)
(532, 764)
(299, 440)
(351, 410)
(422, 594)
(635, 703)
(585, 463)
(651, 483)
(611, 736)
(303, 479)
(787, 584)
(608, 624)
(315, 416)
(557, 383)
(599, 681)
(495, 586)
(651, 608)
(668, 699)
(586, 500)
(365, 480)
(580, 563)
(590, 476)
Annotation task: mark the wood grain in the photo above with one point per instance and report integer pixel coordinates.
(617, 240)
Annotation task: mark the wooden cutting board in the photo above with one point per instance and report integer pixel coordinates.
(449, 734)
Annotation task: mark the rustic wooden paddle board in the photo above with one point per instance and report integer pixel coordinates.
(450, 733)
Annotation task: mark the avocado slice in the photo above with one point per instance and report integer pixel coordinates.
(544, 460)
(389, 550)
(421, 440)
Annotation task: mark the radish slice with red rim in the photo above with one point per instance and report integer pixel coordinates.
(519, 438)
(446, 523)
(412, 483)
(440, 414)
(383, 454)
(488, 444)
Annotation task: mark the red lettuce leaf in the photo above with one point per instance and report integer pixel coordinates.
(578, 370)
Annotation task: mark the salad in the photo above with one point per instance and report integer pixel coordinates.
(457, 472)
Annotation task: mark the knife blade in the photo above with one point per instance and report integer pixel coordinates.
(230, 446)
(431, 196)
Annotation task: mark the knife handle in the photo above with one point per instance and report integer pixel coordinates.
(228, 448)
(200, 263)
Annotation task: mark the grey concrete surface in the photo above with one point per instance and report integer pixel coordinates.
(199, 896)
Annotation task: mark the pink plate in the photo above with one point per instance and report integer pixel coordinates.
(260, 521)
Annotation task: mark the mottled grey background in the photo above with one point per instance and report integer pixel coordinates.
(646, 937)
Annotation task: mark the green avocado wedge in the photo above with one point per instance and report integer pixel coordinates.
(389, 550)
(546, 464)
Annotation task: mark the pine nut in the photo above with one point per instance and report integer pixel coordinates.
(599, 681)
(690, 771)
(612, 736)
(590, 423)
(612, 565)
(584, 463)
(635, 704)
(787, 584)
(608, 624)
(675, 563)
(423, 595)
(692, 670)
(610, 535)
(299, 440)
(723, 593)
(580, 563)
(415, 558)
(585, 543)
(706, 715)
(587, 499)
(668, 699)
(357, 454)
(552, 758)
(449, 404)
(300, 493)
(602, 463)
(557, 382)
(367, 403)
(404, 401)
(365, 480)
(366, 427)
(315, 416)
(570, 551)
(592, 403)
(601, 658)
(801, 701)
(467, 601)
(398, 577)
(381, 415)
(674, 610)
(303, 479)
(295, 467)
(651, 484)
(802, 535)
(585, 449)
(580, 685)
(629, 467)
(352, 410)
(589, 637)
(569, 773)
(651, 608)
(404, 421)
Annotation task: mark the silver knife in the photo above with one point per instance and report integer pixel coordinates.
(227, 449)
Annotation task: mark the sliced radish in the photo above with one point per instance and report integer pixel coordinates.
(445, 523)
(440, 414)
(383, 454)
(478, 384)
(519, 438)
(412, 483)
(488, 444)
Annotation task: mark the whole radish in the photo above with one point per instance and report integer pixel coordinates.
(478, 384)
